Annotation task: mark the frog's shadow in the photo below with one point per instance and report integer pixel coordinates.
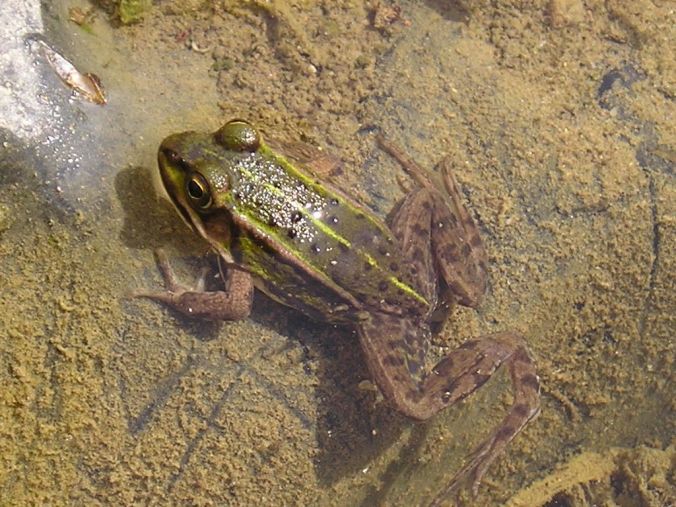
(149, 221)
(353, 425)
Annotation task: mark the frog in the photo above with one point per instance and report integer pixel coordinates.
(278, 224)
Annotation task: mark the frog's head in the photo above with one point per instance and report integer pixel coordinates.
(196, 171)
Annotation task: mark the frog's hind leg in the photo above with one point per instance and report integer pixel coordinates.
(410, 222)
(464, 370)
(446, 261)
(461, 259)
(389, 343)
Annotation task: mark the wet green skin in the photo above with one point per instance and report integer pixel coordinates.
(277, 225)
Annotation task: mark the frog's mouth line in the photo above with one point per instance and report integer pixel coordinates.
(211, 230)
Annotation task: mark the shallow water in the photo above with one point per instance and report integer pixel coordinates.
(559, 124)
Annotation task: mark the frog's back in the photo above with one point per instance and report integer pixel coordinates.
(312, 247)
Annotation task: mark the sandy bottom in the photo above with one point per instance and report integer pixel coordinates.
(558, 119)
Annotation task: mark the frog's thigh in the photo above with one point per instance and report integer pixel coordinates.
(410, 223)
(456, 243)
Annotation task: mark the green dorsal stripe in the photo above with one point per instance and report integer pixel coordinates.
(323, 227)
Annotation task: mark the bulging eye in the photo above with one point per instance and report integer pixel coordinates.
(238, 135)
(198, 192)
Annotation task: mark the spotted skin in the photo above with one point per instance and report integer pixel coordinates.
(312, 247)
(453, 269)
(420, 394)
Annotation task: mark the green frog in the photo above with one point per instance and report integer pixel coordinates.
(278, 226)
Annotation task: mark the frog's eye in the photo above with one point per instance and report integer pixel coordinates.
(197, 190)
(238, 135)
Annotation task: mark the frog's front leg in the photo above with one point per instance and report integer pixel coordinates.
(391, 345)
(234, 303)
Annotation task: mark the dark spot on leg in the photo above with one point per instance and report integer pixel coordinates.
(479, 379)
(413, 367)
(394, 266)
(382, 286)
(521, 410)
(444, 367)
(466, 250)
(530, 381)
(505, 433)
(413, 395)
(406, 347)
(418, 229)
(450, 253)
(412, 339)
(421, 354)
(394, 344)
(394, 360)
(368, 266)
(521, 356)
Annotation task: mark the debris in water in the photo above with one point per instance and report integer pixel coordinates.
(87, 85)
